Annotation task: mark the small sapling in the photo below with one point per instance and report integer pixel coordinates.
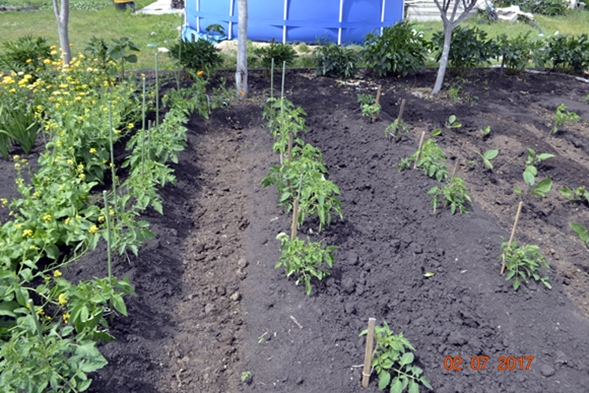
(541, 188)
(581, 231)
(563, 116)
(488, 156)
(523, 263)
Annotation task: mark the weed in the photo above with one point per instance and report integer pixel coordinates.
(581, 231)
(279, 52)
(563, 116)
(334, 60)
(530, 172)
(485, 131)
(245, 376)
(450, 123)
(523, 262)
(393, 361)
(200, 55)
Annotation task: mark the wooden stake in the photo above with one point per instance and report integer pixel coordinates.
(376, 103)
(368, 353)
(519, 210)
(295, 214)
(400, 117)
(419, 150)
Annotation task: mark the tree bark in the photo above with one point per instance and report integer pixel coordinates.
(241, 71)
(62, 14)
(449, 24)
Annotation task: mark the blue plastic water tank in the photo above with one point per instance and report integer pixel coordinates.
(310, 21)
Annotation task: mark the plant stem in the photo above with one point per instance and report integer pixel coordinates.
(283, 76)
(108, 237)
(35, 318)
(272, 80)
(143, 130)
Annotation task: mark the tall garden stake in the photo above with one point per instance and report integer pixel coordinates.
(272, 79)
(113, 172)
(368, 352)
(143, 131)
(419, 150)
(108, 247)
(376, 103)
(157, 92)
(519, 210)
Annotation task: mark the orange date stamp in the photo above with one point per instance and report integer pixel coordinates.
(480, 363)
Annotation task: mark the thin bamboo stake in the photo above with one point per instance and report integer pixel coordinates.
(112, 162)
(290, 143)
(368, 352)
(419, 150)
(283, 77)
(157, 91)
(376, 103)
(108, 237)
(295, 214)
(272, 80)
(519, 210)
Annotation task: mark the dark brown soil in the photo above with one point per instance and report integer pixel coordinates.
(210, 305)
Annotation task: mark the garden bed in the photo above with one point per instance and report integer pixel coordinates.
(210, 306)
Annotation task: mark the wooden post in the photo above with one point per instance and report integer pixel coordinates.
(519, 210)
(376, 103)
(419, 150)
(368, 353)
(400, 117)
(295, 214)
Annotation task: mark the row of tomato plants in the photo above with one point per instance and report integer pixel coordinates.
(303, 190)
(49, 326)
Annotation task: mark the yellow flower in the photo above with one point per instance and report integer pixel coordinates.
(66, 317)
(40, 311)
(58, 143)
(200, 73)
(93, 229)
(118, 132)
(47, 217)
(111, 212)
(101, 219)
(27, 232)
(36, 194)
(70, 161)
(17, 166)
(16, 157)
(29, 60)
(63, 86)
(71, 45)
(53, 52)
(12, 91)
(92, 150)
(33, 247)
(52, 47)
(130, 126)
(68, 220)
(61, 299)
(80, 167)
(82, 176)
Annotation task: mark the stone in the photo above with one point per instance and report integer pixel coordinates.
(235, 297)
(209, 308)
(348, 285)
(547, 370)
(457, 338)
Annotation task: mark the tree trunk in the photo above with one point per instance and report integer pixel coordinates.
(241, 71)
(444, 59)
(62, 14)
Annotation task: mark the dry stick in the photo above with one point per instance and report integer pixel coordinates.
(400, 117)
(295, 213)
(519, 210)
(376, 103)
(368, 353)
(419, 150)
(272, 80)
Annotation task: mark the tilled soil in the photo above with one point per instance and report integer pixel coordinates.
(210, 305)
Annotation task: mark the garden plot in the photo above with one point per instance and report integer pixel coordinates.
(211, 308)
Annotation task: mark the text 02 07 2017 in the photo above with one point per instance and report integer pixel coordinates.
(480, 363)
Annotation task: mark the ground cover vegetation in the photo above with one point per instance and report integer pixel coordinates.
(49, 325)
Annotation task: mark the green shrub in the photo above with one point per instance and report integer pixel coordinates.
(543, 7)
(400, 50)
(569, 53)
(26, 54)
(200, 55)
(279, 52)
(517, 52)
(470, 47)
(334, 60)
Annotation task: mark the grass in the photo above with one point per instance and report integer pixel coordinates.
(100, 18)
(147, 31)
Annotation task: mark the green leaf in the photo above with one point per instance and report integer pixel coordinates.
(119, 304)
(529, 178)
(429, 274)
(543, 156)
(425, 381)
(542, 187)
(7, 308)
(581, 231)
(491, 154)
(413, 386)
(436, 132)
(384, 378)
(516, 283)
(396, 386)
(407, 358)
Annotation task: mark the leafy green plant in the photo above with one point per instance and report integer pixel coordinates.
(27, 54)
(568, 53)
(245, 376)
(530, 172)
(581, 232)
(523, 263)
(278, 51)
(575, 194)
(485, 131)
(335, 60)
(488, 156)
(370, 110)
(196, 56)
(18, 124)
(517, 52)
(393, 359)
(470, 47)
(119, 50)
(395, 128)
(452, 122)
(453, 194)
(563, 116)
(431, 158)
(399, 50)
(305, 259)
